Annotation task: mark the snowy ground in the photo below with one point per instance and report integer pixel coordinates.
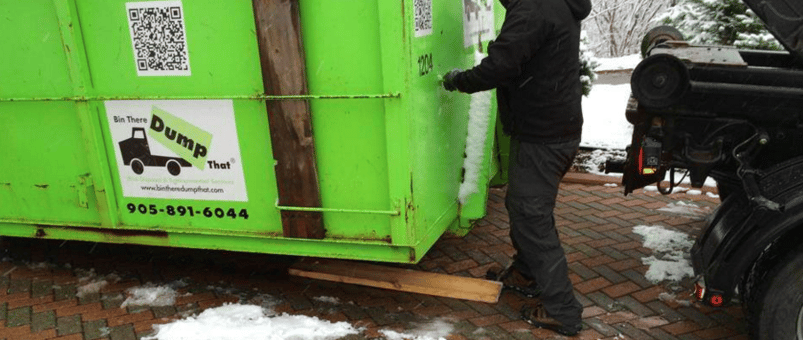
(605, 125)
(606, 131)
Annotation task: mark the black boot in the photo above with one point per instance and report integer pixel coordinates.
(537, 316)
(515, 280)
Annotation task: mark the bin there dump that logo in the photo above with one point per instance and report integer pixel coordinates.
(166, 149)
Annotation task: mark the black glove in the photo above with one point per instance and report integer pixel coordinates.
(448, 80)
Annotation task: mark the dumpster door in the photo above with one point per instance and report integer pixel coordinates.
(49, 172)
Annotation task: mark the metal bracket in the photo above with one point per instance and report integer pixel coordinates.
(83, 190)
(336, 210)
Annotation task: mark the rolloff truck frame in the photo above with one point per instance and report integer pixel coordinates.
(736, 116)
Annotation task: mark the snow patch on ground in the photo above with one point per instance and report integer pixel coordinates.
(90, 288)
(628, 62)
(436, 330)
(327, 299)
(684, 208)
(670, 261)
(90, 283)
(605, 125)
(154, 296)
(236, 322)
(594, 161)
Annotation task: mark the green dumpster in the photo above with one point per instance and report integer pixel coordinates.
(311, 128)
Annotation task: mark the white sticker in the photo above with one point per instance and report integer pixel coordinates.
(478, 21)
(177, 149)
(159, 38)
(423, 17)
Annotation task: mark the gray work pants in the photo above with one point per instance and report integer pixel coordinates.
(534, 175)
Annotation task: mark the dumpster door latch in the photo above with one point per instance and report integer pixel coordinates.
(84, 183)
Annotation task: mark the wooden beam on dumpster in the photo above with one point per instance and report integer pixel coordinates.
(284, 73)
(405, 280)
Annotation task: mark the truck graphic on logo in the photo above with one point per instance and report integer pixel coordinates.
(137, 154)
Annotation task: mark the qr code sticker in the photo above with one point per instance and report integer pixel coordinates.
(423, 17)
(159, 38)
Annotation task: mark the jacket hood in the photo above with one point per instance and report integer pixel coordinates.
(580, 8)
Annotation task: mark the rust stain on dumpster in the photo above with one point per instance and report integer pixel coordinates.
(122, 232)
(42, 232)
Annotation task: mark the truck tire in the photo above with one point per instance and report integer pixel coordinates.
(173, 167)
(775, 307)
(137, 166)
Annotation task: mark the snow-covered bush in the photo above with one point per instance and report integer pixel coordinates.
(588, 63)
(719, 22)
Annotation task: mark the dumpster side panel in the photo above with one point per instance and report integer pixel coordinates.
(341, 42)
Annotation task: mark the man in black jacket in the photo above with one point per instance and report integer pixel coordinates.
(534, 66)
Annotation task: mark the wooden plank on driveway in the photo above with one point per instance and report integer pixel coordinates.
(406, 280)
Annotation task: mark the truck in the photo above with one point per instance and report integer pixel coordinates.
(735, 116)
(137, 154)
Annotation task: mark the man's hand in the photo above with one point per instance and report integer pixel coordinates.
(448, 80)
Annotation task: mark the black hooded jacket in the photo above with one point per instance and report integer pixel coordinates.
(534, 64)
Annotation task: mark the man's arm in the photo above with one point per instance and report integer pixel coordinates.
(522, 34)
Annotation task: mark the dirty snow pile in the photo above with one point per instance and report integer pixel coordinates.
(478, 121)
(670, 260)
(236, 322)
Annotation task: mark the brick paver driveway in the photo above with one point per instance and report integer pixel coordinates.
(44, 295)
